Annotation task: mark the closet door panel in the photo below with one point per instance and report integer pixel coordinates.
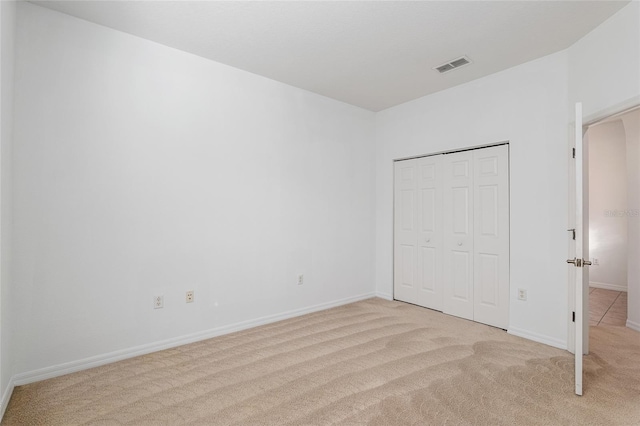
(458, 244)
(451, 233)
(430, 232)
(405, 263)
(491, 236)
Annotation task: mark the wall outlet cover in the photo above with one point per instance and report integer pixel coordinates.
(158, 302)
(522, 294)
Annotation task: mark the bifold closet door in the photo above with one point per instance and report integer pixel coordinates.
(451, 233)
(429, 244)
(491, 235)
(405, 226)
(458, 224)
(476, 235)
(418, 231)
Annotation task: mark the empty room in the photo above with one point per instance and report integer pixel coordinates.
(318, 213)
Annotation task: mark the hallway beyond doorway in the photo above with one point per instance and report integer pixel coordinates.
(607, 307)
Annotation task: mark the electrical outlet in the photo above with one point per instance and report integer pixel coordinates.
(522, 294)
(300, 279)
(158, 302)
(189, 296)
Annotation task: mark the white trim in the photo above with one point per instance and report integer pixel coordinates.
(633, 325)
(551, 341)
(385, 296)
(6, 396)
(98, 360)
(470, 148)
(619, 108)
(607, 286)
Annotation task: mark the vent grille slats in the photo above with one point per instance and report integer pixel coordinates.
(445, 67)
(456, 63)
(459, 62)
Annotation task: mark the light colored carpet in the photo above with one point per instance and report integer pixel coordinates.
(373, 362)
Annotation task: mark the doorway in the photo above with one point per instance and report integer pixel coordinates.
(613, 174)
(579, 247)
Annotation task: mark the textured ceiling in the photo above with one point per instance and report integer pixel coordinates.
(373, 54)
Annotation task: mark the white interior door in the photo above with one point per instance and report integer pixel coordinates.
(581, 252)
(430, 231)
(405, 225)
(491, 235)
(458, 234)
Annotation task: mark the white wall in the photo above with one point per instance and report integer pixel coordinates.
(608, 205)
(526, 106)
(605, 64)
(7, 39)
(142, 170)
(632, 131)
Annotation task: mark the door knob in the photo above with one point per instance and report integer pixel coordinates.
(459, 243)
(576, 262)
(579, 262)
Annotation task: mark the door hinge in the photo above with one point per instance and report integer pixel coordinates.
(573, 152)
(573, 316)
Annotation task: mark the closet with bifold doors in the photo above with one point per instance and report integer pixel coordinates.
(451, 233)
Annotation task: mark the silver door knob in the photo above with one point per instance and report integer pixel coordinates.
(576, 262)
(579, 262)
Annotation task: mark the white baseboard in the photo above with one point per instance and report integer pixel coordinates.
(385, 296)
(6, 396)
(607, 286)
(98, 360)
(633, 325)
(551, 341)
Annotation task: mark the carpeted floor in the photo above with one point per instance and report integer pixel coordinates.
(373, 362)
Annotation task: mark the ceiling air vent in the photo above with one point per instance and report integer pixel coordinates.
(456, 63)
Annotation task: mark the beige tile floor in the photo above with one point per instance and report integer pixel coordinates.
(607, 307)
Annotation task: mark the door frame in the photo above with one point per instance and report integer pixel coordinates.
(451, 151)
